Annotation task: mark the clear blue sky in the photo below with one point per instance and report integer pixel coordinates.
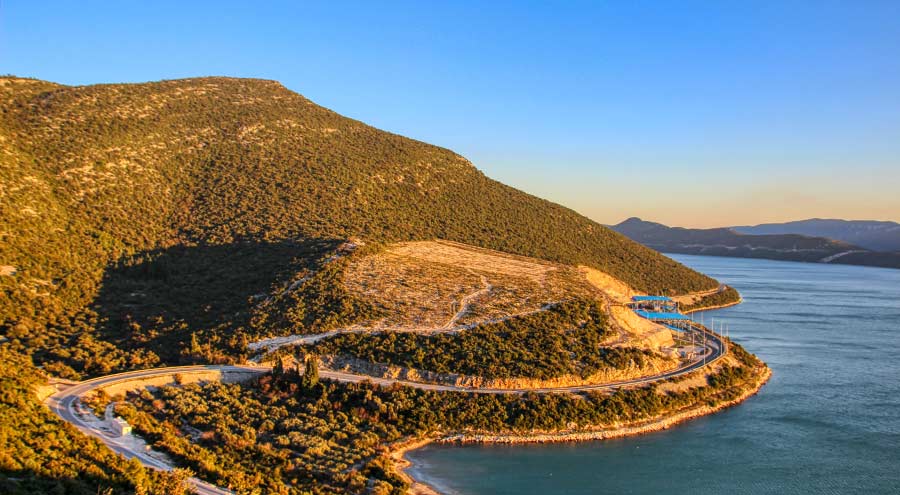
(691, 113)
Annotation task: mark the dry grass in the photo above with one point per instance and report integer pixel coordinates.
(441, 285)
(476, 259)
(698, 378)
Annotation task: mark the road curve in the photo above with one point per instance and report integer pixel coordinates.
(61, 403)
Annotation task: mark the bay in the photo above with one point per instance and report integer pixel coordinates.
(827, 422)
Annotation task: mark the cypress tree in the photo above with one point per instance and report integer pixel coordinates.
(311, 373)
(196, 350)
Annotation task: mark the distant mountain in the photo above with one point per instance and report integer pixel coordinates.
(730, 242)
(873, 235)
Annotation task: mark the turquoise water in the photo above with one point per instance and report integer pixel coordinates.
(827, 422)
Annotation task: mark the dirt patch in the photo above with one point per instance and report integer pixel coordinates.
(641, 331)
(696, 380)
(473, 258)
(440, 285)
(617, 290)
(688, 299)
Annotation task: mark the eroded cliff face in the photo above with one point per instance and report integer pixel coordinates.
(639, 332)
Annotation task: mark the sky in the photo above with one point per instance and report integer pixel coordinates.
(695, 114)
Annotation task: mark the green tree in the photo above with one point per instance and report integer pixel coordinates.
(196, 350)
(311, 373)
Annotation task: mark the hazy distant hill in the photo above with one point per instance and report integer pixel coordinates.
(874, 235)
(729, 242)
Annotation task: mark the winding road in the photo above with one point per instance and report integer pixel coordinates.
(63, 403)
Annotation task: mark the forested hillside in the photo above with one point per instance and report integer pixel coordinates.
(162, 223)
(103, 177)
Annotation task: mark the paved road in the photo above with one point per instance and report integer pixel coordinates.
(62, 403)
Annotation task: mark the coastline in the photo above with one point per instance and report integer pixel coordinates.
(402, 464)
(419, 487)
(719, 306)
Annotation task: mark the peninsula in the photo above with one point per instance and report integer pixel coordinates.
(241, 290)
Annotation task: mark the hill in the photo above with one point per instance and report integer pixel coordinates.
(868, 234)
(730, 242)
(173, 222)
(138, 218)
(247, 180)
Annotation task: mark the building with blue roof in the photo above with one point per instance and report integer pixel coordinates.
(661, 316)
(658, 304)
(651, 298)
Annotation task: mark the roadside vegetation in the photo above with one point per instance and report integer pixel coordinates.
(565, 339)
(723, 298)
(41, 453)
(287, 433)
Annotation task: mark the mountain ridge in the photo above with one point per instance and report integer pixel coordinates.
(875, 235)
(727, 241)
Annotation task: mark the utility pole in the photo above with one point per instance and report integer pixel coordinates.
(726, 339)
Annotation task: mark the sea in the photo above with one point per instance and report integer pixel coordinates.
(828, 421)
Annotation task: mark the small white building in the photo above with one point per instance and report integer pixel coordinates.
(120, 427)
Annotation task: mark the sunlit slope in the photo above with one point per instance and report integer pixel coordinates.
(114, 196)
(217, 159)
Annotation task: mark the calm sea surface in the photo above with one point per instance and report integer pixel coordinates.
(827, 422)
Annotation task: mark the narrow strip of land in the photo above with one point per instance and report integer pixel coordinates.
(63, 403)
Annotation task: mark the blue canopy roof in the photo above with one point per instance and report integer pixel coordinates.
(651, 298)
(653, 315)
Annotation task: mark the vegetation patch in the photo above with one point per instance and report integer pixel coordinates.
(40, 453)
(565, 339)
(725, 297)
(289, 434)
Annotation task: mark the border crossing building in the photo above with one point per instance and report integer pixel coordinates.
(660, 309)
